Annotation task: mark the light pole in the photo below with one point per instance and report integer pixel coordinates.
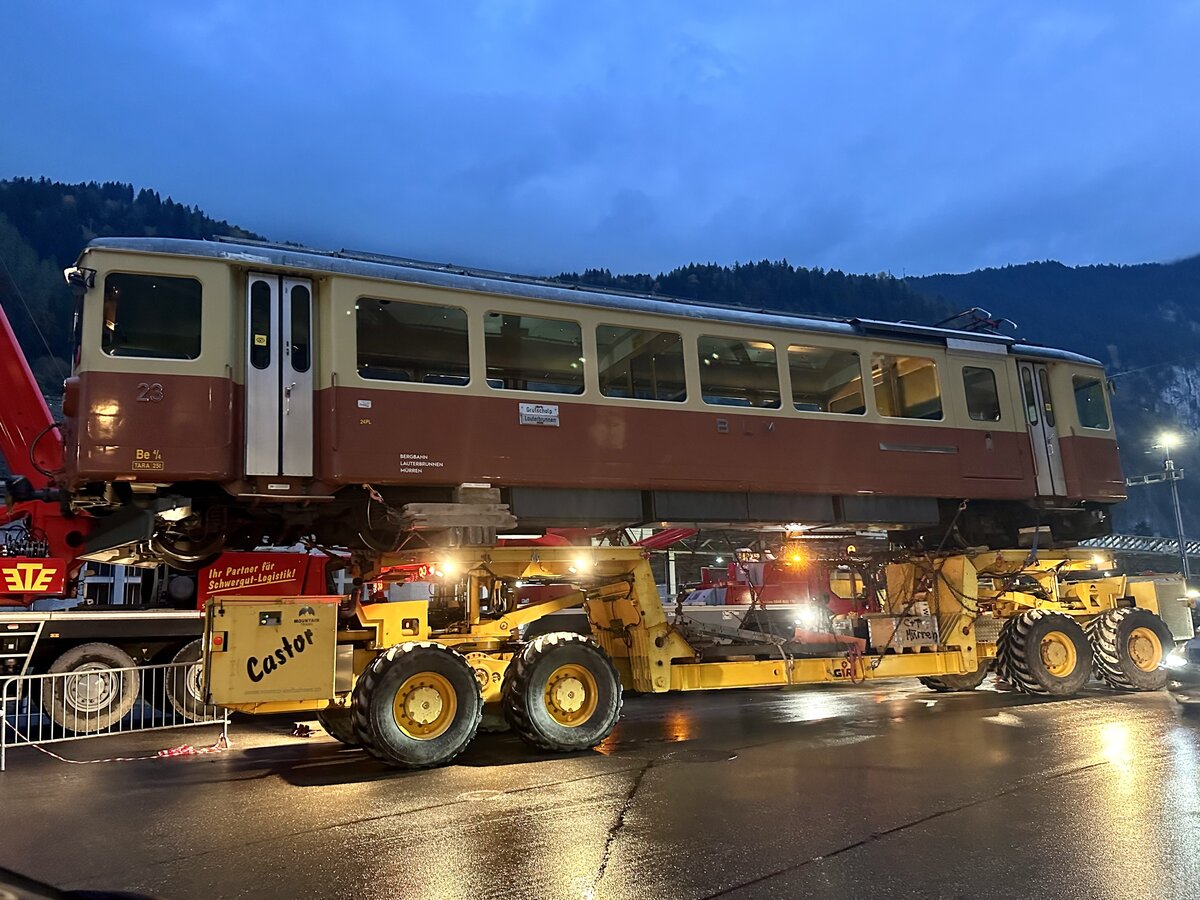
(1173, 476)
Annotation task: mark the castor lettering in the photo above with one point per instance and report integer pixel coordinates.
(258, 669)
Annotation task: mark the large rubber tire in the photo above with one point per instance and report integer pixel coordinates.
(952, 683)
(362, 736)
(562, 693)
(417, 705)
(1128, 648)
(338, 722)
(185, 687)
(1046, 653)
(94, 698)
(1002, 652)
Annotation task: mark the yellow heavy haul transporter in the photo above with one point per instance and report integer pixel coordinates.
(411, 680)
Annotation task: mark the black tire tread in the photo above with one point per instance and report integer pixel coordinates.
(68, 717)
(1104, 635)
(1012, 649)
(368, 681)
(338, 722)
(176, 686)
(517, 675)
(947, 684)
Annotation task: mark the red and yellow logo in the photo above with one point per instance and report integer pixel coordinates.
(32, 576)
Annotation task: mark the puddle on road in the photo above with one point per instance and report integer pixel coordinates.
(1005, 718)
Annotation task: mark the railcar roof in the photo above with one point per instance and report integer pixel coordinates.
(392, 268)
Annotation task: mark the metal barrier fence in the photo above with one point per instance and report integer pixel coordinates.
(98, 701)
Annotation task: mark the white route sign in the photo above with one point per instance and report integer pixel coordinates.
(538, 414)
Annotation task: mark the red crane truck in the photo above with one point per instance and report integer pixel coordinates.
(40, 566)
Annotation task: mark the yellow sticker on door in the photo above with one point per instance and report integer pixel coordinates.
(260, 340)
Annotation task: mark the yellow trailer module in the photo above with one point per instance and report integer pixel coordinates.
(409, 681)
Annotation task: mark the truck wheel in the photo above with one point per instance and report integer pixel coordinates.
(1128, 648)
(949, 683)
(1042, 652)
(417, 705)
(338, 722)
(561, 692)
(92, 697)
(185, 685)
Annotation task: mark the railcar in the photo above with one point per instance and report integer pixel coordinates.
(226, 394)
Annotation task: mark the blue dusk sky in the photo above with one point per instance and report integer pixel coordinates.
(912, 137)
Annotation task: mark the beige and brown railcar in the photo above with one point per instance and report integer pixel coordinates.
(256, 389)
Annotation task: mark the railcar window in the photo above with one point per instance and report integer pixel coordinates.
(1089, 400)
(983, 401)
(1047, 403)
(1031, 406)
(529, 353)
(260, 324)
(738, 373)
(301, 328)
(640, 364)
(906, 387)
(825, 380)
(151, 316)
(401, 341)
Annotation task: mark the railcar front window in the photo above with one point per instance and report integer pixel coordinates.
(529, 353)
(738, 373)
(639, 364)
(906, 387)
(417, 342)
(1089, 401)
(983, 401)
(825, 380)
(151, 316)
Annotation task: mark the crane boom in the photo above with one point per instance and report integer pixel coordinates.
(32, 447)
(29, 441)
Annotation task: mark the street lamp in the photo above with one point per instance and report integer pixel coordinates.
(1173, 476)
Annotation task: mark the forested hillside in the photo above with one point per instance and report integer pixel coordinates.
(44, 225)
(1143, 321)
(781, 286)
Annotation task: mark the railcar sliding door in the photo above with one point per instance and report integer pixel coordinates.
(279, 376)
(1043, 430)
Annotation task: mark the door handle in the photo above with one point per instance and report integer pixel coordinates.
(287, 399)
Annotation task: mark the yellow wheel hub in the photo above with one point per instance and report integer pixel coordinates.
(1059, 655)
(425, 706)
(1145, 649)
(571, 695)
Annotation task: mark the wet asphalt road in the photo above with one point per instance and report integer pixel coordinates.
(881, 791)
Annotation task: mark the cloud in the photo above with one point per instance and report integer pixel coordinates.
(542, 136)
